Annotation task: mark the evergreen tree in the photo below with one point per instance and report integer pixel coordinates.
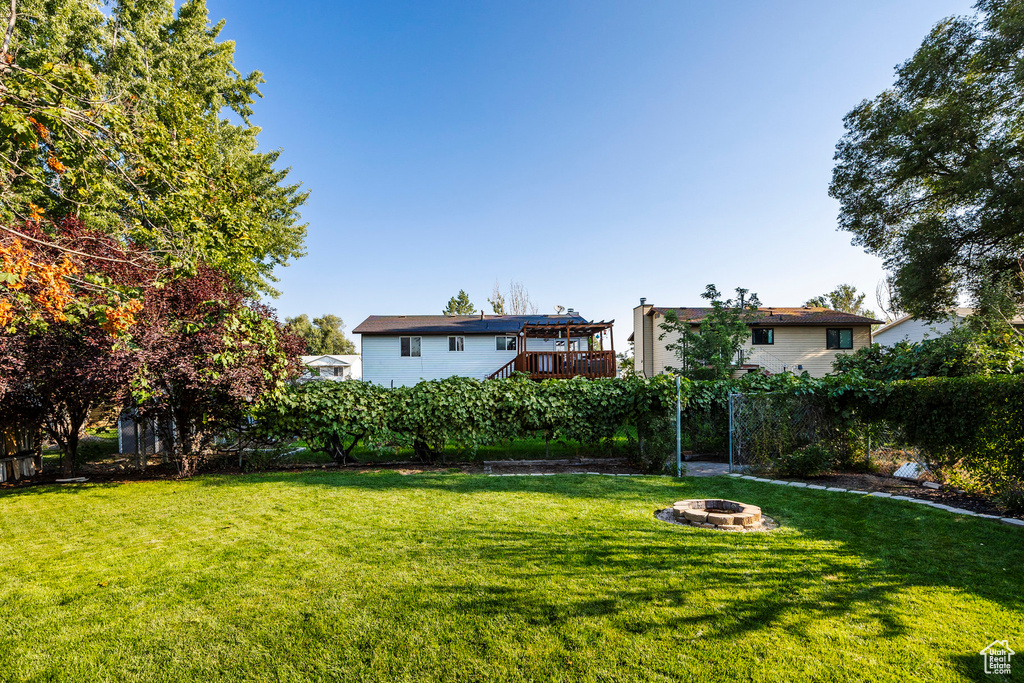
(460, 305)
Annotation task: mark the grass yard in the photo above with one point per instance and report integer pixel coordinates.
(438, 577)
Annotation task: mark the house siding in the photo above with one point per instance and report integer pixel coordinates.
(794, 346)
(383, 363)
(638, 340)
(913, 330)
(650, 344)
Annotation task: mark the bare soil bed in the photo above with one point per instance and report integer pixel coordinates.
(902, 487)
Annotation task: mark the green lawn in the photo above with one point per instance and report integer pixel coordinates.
(383, 577)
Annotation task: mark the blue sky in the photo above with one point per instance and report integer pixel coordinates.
(598, 152)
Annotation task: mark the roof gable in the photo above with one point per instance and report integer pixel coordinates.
(323, 361)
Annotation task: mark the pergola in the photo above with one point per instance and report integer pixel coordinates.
(592, 363)
(569, 330)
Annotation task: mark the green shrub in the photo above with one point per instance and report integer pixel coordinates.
(654, 449)
(970, 427)
(962, 352)
(805, 461)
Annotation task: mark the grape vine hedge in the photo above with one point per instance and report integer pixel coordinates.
(969, 428)
(334, 417)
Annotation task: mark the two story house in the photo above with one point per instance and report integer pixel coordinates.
(782, 339)
(401, 350)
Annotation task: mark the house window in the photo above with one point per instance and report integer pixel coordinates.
(456, 343)
(839, 338)
(410, 346)
(762, 336)
(505, 343)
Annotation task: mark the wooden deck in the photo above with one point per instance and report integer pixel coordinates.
(560, 365)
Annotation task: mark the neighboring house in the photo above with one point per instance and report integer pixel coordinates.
(917, 330)
(401, 350)
(782, 339)
(338, 367)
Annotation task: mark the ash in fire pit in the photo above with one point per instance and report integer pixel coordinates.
(714, 513)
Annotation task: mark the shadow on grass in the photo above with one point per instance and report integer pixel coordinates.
(837, 556)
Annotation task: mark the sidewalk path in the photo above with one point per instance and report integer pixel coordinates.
(706, 469)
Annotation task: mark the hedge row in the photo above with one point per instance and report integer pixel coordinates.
(967, 427)
(970, 428)
(334, 417)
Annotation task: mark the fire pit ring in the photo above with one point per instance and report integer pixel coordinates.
(717, 513)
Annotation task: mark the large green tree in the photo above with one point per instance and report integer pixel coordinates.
(843, 298)
(121, 117)
(930, 173)
(324, 336)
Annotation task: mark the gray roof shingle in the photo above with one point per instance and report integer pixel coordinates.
(457, 324)
(779, 316)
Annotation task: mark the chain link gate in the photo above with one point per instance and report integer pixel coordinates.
(764, 427)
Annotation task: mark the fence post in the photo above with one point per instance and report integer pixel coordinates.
(730, 432)
(679, 431)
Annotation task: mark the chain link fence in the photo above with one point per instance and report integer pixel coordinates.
(766, 427)
(888, 451)
(766, 430)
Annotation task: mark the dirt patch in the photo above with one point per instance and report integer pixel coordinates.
(121, 471)
(911, 489)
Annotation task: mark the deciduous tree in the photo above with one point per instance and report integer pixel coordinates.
(118, 117)
(208, 356)
(710, 352)
(71, 368)
(323, 336)
(930, 173)
(843, 298)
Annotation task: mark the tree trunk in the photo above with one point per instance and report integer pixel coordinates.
(422, 450)
(70, 454)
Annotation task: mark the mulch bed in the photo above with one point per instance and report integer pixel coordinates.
(911, 489)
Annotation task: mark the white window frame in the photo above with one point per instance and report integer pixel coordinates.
(458, 342)
(418, 350)
(506, 337)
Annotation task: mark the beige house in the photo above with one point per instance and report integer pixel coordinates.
(782, 339)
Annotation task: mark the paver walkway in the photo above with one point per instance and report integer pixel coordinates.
(706, 469)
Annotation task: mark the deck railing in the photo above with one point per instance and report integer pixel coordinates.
(562, 364)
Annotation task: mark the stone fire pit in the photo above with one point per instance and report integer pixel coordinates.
(715, 513)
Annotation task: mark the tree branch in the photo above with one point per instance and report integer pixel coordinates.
(10, 30)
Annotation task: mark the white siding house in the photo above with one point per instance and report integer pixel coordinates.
(333, 367)
(404, 350)
(917, 330)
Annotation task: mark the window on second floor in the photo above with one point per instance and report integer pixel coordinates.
(839, 338)
(505, 343)
(762, 336)
(410, 346)
(456, 343)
